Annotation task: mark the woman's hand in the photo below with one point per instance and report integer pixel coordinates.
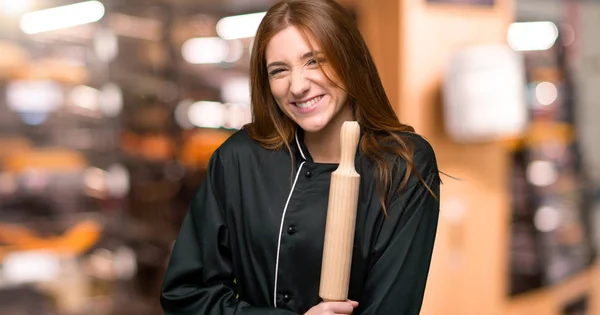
(333, 308)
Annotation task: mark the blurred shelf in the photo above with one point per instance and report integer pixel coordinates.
(552, 300)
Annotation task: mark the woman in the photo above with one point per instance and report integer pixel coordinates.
(252, 241)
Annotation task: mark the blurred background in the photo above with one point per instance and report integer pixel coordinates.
(110, 110)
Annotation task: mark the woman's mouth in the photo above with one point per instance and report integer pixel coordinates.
(307, 104)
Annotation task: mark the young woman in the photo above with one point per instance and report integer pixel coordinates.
(252, 241)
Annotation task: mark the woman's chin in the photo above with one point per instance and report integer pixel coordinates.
(311, 127)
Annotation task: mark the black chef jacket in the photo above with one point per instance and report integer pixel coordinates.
(252, 240)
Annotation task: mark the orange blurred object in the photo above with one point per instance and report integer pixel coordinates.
(10, 146)
(55, 159)
(199, 147)
(53, 69)
(152, 147)
(75, 241)
(12, 58)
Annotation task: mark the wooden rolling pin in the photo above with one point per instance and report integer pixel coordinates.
(341, 219)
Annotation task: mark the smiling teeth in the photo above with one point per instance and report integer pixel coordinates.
(309, 103)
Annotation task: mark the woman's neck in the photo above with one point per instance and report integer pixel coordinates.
(324, 145)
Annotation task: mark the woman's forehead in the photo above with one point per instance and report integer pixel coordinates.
(290, 44)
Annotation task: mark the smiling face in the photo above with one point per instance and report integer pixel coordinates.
(299, 86)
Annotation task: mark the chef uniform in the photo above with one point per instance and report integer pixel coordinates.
(252, 240)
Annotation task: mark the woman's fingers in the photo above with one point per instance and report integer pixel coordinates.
(341, 308)
(333, 308)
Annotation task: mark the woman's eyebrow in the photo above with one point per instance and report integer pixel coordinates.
(305, 56)
(276, 63)
(311, 54)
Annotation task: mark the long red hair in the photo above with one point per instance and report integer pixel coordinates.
(348, 56)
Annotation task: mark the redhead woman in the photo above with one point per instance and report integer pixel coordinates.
(252, 241)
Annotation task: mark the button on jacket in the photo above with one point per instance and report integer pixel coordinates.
(252, 240)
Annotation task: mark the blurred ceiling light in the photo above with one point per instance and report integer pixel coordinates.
(15, 6)
(125, 263)
(547, 219)
(235, 51)
(117, 181)
(236, 90)
(32, 266)
(106, 44)
(530, 36)
(34, 118)
(238, 115)
(239, 26)
(207, 114)
(34, 96)
(181, 114)
(95, 179)
(542, 173)
(101, 264)
(546, 93)
(204, 50)
(62, 17)
(85, 97)
(111, 100)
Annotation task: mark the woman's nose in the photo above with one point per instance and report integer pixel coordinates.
(299, 84)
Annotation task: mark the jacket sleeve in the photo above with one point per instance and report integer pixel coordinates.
(199, 279)
(400, 263)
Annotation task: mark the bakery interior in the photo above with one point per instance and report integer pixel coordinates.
(111, 109)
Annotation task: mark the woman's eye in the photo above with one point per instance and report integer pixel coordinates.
(276, 72)
(314, 62)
